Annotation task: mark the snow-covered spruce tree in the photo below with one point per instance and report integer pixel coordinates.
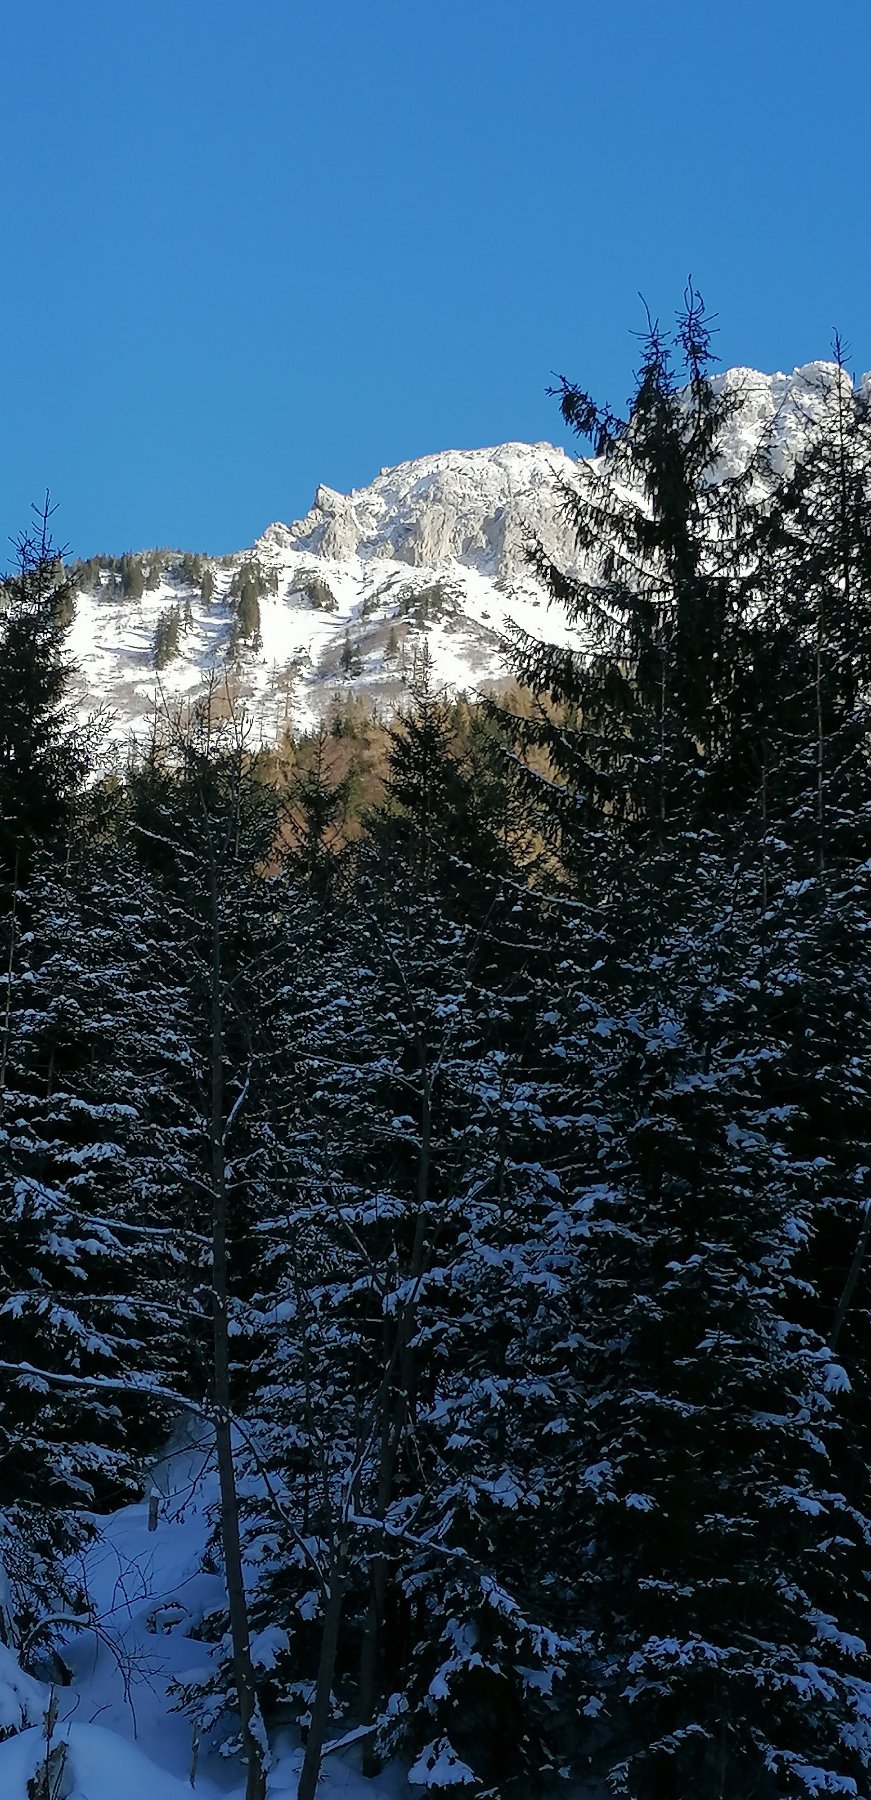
(77, 1319)
(206, 826)
(730, 1633)
(289, 1417)
(92, 1326)
(320, 1402)
(634, 724)
(496, 1645)
(491, 1650)
(451, 815)
(812, 621)
(44, 754)
(418, 1576)
(318, 802)
(365, 1141)
(724, 1562)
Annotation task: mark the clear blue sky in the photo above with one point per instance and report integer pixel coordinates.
(250, 245)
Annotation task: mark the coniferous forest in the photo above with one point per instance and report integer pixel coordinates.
(491, 1182)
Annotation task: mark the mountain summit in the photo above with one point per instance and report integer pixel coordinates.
(432, 552)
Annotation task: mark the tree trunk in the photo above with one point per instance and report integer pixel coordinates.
(392, 1422)
(370, 1652)
(370, 1662)
(10, 965)
(855, 1271)
(316, 1739)
(243, 1674)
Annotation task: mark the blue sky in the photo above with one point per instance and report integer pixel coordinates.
(250, 245)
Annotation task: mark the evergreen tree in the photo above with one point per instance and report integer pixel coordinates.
(349, 659)
(248, 609)
(44, 753)
(73, 1330)
(191, 569)
(424, 787)
(635, 726)
(318, 806)
(725, 1565)
(207, 827)
(396, 1421)
(696, 1208)
(153, 571)
(812, 619)
(132, 577)
(167, 634)
(93, 1330)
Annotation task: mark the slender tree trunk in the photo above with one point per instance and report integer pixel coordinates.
(10, 964)
(370, 1652)
(391, 1434)
(765, 842)
(855, 1271)
(243, 1675)
(820, 748)
(320, 1720)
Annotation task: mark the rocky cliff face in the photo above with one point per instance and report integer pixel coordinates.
(431, 552)
(474, 507)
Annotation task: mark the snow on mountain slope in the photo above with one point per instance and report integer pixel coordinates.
(472, 507)
(431, 552)
(780, 410)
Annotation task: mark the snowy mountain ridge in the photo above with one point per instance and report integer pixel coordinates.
(341, 602)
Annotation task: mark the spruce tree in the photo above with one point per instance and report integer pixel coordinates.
(697, 1208)
(167, 634)
(317, 811)
(77, 1321)
(45, 754)
(132, 576)
(206, 826)
(93, 1324)
(812, 849)
(397, 1419)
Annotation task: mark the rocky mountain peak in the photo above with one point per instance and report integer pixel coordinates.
(433, 549)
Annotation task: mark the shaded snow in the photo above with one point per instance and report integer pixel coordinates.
(148, 1590)
(102, 1766)
(22, 1700)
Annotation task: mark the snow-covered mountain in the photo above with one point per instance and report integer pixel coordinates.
(342, 601)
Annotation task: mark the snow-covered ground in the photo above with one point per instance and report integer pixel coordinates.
(147, 1590)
